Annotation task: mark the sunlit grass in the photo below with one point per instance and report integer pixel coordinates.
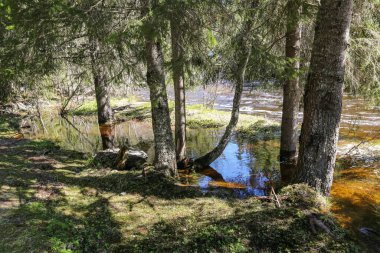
(89, 107)
(73, 207)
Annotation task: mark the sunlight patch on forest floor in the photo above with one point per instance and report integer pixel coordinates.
(73, 207)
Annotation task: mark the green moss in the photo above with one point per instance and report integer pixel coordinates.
(72, 207)
(260, 130)
(301, 195)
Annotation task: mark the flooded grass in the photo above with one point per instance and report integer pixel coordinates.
(125, 212)
(260, 130)
(356, 198)
(201, 117)
(52, 200)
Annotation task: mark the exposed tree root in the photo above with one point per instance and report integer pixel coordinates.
(317, 223)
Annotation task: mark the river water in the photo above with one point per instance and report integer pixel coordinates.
(244, 167)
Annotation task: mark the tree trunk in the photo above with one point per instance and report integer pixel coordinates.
(291, 96)
(243, 53)
(107, 135)
(323, 95)
(179, 90)
(100, 82)
(165, 157)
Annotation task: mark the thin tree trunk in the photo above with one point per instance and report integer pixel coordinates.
(291, 96)
(100, 82)
(165, 157)
(323, 95)
(179, 90)
(243, 53)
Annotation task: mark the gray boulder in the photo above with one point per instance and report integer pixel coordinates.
(121, 159)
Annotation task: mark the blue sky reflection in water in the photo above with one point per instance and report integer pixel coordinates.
(237, 170)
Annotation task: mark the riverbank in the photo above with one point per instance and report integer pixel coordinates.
(252, 127)
(53, 200)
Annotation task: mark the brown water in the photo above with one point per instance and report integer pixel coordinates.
(247, 168)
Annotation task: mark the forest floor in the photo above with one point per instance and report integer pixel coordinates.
(53, 200)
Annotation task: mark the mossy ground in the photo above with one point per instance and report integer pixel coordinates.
(52, 200)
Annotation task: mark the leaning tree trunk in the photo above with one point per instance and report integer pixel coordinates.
(243, 54)
(323, 95)
(165, 157)
(100, 82)
(291, 97)
(179, 90)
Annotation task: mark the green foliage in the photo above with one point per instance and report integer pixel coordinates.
(363, 69)
(9, 124)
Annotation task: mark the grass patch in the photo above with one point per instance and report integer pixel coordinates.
(140, 112)
(69, 206)
(261, 130)
(203, 123)
(252, 127)
(90, 107)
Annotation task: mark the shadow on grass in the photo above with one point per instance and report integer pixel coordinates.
(267, 230)
(39, 214)
(32, 202)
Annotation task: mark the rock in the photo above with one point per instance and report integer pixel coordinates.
(130, 159)
(106, 158)
(136, 159)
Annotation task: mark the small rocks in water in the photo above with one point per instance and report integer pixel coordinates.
(131, 159)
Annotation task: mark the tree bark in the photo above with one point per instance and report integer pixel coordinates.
(323, 95)
(243, 53)
(179, 89)
(100, 81)
(165, 157)
(291, 96)
(107, 135)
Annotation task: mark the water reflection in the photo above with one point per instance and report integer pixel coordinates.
(241, 168)
(246, 168)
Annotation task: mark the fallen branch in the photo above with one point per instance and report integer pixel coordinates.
(278, 204)
(361, 143)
